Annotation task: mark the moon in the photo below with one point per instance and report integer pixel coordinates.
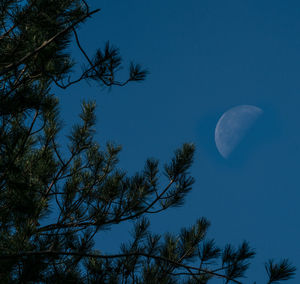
(233, 126)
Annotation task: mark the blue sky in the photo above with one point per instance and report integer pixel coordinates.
(205, 57)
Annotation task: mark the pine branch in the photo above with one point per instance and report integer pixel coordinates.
(93, 223)
(279, 271)
(16, 24)
(114, 256)
(93, 66)
(46, 43)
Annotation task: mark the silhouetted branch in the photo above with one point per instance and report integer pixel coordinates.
(93, 223)
(16, 24)
(113, 256)
(46, 43)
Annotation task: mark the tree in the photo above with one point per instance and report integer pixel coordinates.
(90, 192)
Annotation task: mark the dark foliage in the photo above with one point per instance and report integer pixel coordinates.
(83, 183)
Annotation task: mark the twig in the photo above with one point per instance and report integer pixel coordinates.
(93, 66)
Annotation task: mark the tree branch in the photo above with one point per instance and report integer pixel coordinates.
(93, 223)
(93, 66)
(112, 256)
(45, 43)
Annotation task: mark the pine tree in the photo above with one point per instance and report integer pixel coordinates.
(84, 182)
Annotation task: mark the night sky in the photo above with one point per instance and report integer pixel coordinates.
(205, 57)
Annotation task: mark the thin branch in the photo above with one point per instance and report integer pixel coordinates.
(93, 223)
(91, 255)
(15, 24)
(62, 86)
(57, 202)
(186, 253)
(40, 129)
(56, 152)
(25, 80)
(58, 174)
(86, 6)
(46, 43)
(8, 32)
(20, 75)
(156, 211)
(93, 66)
(28, 134)
(150, 205)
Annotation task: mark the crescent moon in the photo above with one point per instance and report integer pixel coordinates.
(233, 126)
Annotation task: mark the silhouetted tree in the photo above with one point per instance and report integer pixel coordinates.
(84, 182)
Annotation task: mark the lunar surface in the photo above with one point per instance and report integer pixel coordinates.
(233, 126)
